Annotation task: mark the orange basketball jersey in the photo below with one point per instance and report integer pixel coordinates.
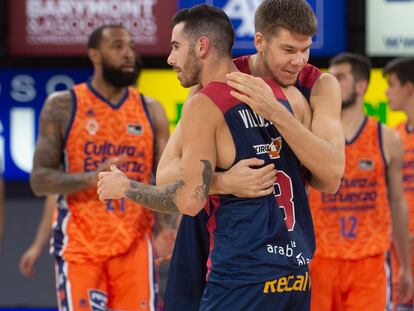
(86, 228)
(355, 222)
(407, 137)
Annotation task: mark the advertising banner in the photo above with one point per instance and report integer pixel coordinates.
(61, 27)
(389, 27)
(23, 92)
(329, 40)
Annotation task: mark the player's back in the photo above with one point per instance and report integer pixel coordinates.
(86, 228)
(355, 222)
(257, 239)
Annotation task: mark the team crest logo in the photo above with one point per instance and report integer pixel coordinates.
(275, 147)
(98, 300)
(135, 129)
(366, 164)
(92, 126)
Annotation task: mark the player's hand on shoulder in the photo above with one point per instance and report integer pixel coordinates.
(255, 92)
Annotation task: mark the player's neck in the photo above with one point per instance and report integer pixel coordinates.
(112, 93)
(409, 111)
(352, 119)
(216, 71)
(257, 67)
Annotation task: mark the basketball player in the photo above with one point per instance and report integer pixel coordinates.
(255, 242)
(354, 226)
(283, 46)
(103, 252)
(400, 76)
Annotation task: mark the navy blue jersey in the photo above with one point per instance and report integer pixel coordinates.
(192, 248)
(253, 240)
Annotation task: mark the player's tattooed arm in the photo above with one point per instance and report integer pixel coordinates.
(159, 199)
(47, 176)
(164, 199)
(178, 197)
(201, 192)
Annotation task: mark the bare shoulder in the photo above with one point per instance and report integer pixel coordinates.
(201, 105)
(58, 107)
(60, 100)
(156, 110)
(324, 83)
(199, 100)
(393, 146)
(390, 135)
(154, 106)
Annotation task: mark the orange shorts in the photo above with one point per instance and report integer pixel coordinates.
(124, 282)
(345, 285)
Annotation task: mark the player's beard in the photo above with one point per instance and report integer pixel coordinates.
(351, 100)
(191, 70)
(117, 77)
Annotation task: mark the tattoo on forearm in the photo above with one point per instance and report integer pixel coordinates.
(201, 192)
(159, 199)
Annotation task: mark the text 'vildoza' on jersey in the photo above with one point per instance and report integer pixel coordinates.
(258, 239)
(86, 228)
(355, 222)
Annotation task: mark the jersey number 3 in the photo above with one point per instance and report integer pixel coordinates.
(284, 197)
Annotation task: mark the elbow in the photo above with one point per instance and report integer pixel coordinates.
(35, 185)
(330, 188)
(190, 208)
(333, 183)
(330, 183)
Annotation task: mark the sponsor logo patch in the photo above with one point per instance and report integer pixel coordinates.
(272, 149)
(366, 164)
(98, 300)
(275, 147)
(135, 129)
(288, 283)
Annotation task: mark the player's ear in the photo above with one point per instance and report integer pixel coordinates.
(94, 56)
(203, 46)
(259, 42)
(361, 86)
(409, 86)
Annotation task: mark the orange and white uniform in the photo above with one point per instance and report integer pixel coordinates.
(103, 251)
(407, 136)
(353, 230)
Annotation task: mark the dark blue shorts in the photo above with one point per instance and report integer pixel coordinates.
(187, 274)
(287, 293)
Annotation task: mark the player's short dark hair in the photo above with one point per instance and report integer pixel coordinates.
(294, 15)
(96, 36)
(403, 68)
(205, 20)
(360, 65)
